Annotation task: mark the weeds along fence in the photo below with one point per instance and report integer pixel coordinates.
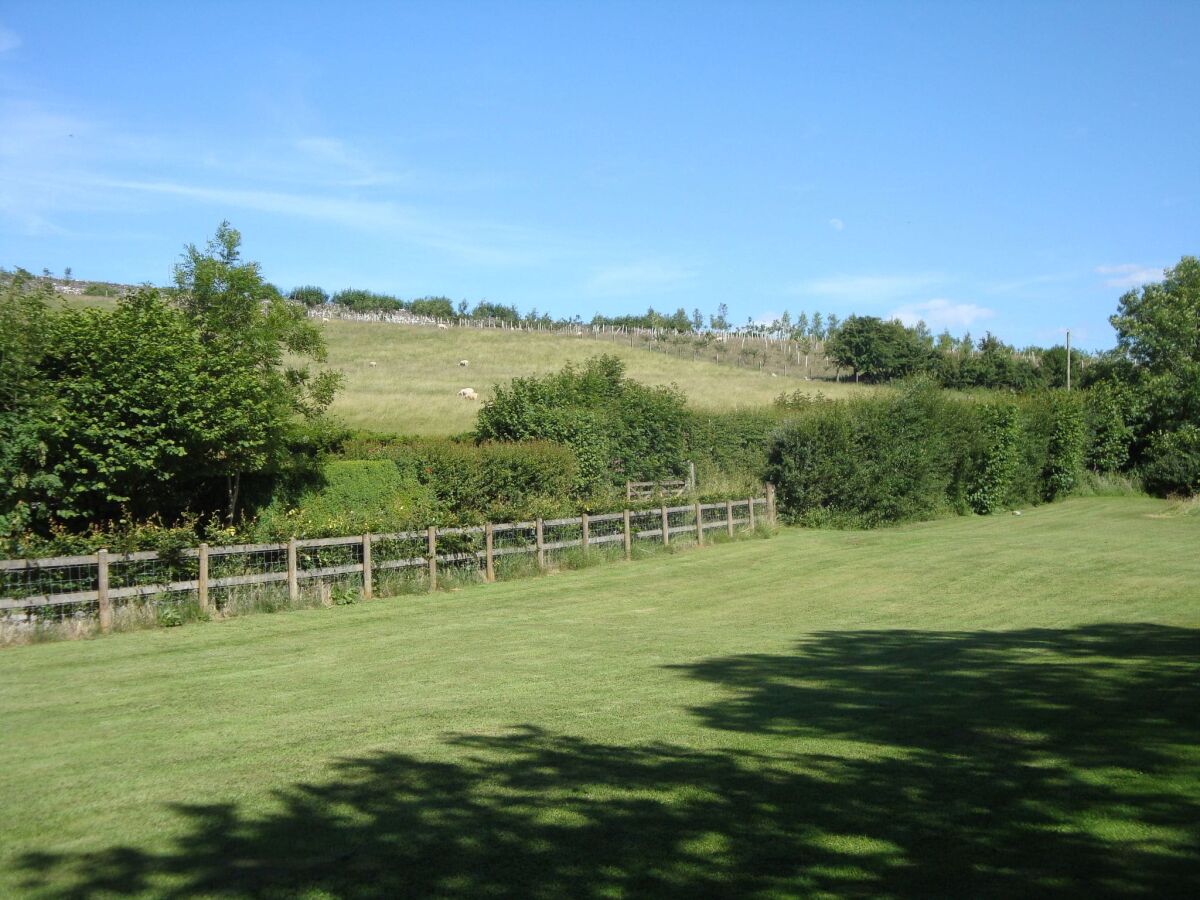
(169, 587)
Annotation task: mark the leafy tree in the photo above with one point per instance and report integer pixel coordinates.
(618, 428)
(801, 330)
(874, 349)
(309, 295)
(697, 321)
(720, 321)
(1158, 331)
(818, 326)
(251, 329)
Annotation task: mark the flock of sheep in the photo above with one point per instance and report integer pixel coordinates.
(465, 393)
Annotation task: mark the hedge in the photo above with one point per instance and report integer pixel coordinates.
(919, 453)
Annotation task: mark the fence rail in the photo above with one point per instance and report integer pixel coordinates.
(83, 582)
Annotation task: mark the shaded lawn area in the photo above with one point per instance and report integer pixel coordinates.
(979, 707)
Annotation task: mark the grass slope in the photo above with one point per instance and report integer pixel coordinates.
(981, 707)
(413, 386)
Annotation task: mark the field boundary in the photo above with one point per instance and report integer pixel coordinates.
(77, 583)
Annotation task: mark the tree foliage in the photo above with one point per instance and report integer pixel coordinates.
(149, 410)
(618, 428)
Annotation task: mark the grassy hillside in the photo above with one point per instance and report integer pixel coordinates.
(413, 386)
(973, 707)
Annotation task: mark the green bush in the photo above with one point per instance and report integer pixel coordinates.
(618, 429)
(1172, 463)
(919, 452)
(867, 461)
(352, 496)
(467, 482)
(1110, 413)
(996, 464)
(1066, 446)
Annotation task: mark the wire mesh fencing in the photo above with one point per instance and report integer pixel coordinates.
(170, 587)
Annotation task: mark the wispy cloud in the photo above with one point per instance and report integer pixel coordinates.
(866, 288)
(9, 39)
(477, 242)
(1129, 275)
(939, 313)
(837, 224)
(644, 277)
(1028, 283)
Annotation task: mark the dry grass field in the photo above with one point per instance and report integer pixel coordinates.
(413, 386)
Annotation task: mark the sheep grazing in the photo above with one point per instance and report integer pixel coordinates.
(442, 325)
(468, 394)
(464, 363)
(372, 364)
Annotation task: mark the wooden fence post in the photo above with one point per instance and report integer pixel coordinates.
(541, 549)
(729, 517)
(293, 582)
(368, 588)
(102, 591)
(666, 529)
(699, 524)
(584, 529)
(431, 546)
(750, 510)
(771, 504)
(691, 475)
(202, 577)
(489, 563)
(628, 538)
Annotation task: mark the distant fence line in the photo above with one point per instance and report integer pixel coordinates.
(71, 583)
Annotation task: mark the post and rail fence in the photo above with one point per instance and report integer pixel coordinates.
(97, 582)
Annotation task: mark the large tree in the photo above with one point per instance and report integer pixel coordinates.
(245, 323)
(876, 350)
(157, 408)
(1158, 331)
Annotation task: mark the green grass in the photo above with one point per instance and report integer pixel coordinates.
(971, 707)
(413, 387)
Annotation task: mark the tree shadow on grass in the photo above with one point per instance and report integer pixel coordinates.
(895, 763)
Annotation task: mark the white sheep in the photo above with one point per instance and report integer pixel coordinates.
(464, 363)
(372, 364)
(468, 394)
(442, 325)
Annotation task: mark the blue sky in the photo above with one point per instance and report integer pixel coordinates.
(1004, 166)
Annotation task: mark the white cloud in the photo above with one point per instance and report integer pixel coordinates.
(866, 287)
(9, 39)
(837, 224)
(1129, 275)
(477, 242)
(644, 277)
(939, 313)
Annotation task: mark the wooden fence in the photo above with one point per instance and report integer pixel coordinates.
(96, 581)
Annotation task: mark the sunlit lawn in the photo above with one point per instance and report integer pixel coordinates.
(971, 707)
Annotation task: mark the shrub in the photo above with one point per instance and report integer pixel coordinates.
(996, 466)
(619, 429)
(352, 495)
(1173, 461)
(1066, 446)
(476, 482)
(918, 452)
(1109, 413)
(868, 461)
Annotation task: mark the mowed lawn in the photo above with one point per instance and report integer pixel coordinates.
(1004, 706)
(413, 386)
